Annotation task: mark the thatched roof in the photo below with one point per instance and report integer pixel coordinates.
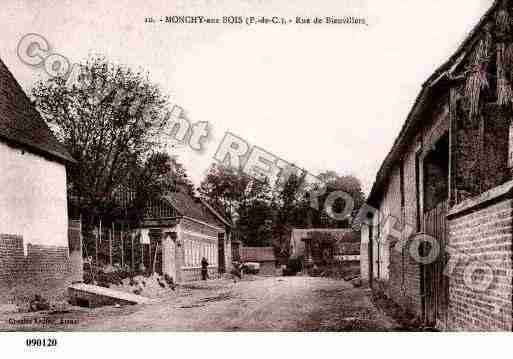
(422, 102)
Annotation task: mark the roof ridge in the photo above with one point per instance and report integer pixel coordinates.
(21, 123)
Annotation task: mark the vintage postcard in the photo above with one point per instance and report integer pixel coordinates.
(255, 166)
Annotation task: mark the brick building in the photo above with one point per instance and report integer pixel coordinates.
(35, 254)
(183, 230)
(449, 175)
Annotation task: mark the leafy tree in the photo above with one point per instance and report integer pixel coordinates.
(291, 208)
(179, 177)
(255, 223)
(265, 215)
(107, 118)
(159, 174)
(244, 199)
(348, 184)
(232, 190)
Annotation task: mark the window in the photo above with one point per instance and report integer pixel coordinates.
(187, 254)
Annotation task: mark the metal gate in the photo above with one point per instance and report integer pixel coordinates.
(435, 286)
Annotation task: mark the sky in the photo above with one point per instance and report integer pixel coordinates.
(324, 97)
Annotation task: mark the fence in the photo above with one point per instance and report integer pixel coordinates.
(118, 245)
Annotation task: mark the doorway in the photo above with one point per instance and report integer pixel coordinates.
(221, 255)
(434, 206)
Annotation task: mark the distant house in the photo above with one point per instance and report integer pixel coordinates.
(341, 244)
(261, 255)
(35, 254)
(182, 230)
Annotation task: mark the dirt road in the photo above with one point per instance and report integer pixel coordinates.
(262, 304)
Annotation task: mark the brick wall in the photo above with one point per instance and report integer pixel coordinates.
(45, 270)
(481, 234)
(11, 259)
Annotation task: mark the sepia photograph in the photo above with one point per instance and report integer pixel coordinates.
(255, 166)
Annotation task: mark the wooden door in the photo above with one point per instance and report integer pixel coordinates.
(155, 250)
(435, 283)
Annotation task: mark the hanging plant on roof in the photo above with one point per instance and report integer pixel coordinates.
(477, 79)
(503, 20)
(504, 57)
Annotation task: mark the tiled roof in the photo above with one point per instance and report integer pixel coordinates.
(257, 254)
(191, 207)
(217, 214)
(20, 122)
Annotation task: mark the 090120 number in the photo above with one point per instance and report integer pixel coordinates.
(38, 342)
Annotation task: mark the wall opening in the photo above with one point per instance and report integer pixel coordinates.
(436, 174)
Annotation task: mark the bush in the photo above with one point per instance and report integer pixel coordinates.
(236, 270)
(169, 280)
(108, 275)
(38, 303)
(294, 266)
(316, 271)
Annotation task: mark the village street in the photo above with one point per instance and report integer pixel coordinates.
(256, 304)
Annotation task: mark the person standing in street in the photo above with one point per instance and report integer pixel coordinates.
(204, 268)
